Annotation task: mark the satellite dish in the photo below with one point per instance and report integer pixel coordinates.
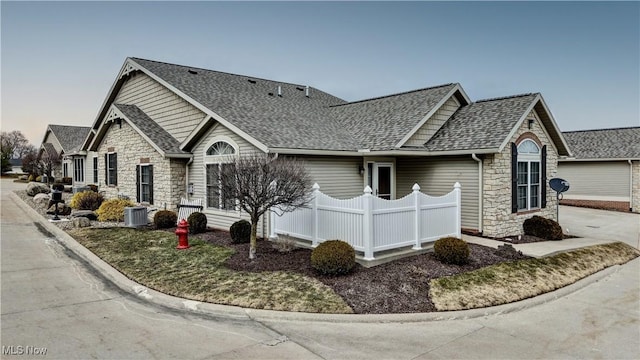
(559, 185)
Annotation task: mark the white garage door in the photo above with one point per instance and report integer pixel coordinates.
(596, 180)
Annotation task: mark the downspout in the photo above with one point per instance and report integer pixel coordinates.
(264, 220)
(631, 205)
(186, 177)
(480, 192)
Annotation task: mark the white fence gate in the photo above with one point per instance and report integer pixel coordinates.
(371, 224)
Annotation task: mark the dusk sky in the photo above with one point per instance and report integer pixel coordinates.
(59, 59)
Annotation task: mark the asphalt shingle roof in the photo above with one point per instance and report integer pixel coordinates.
(623, 143)
(151, 129)
(70, 137)
(50, 149)
(484, 124)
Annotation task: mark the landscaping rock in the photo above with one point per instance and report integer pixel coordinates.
(63, 209)
(91, 215)
(80, 222)
(34, 188)
(42, 200)
(23, 177)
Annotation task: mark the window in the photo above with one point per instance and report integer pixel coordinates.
(111, 169)
(95, 170)
(217, 159)
(78, 169)
(65, 170)
(144, 183)
(528, 175)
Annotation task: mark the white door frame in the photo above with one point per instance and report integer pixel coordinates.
(374, 167)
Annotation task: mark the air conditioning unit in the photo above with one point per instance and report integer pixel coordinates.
(135, 216)
(77, 189)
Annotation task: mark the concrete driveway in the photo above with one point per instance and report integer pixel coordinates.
(601, 224)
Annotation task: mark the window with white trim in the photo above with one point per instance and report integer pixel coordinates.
(78, 169)
(217, 157)
(528, 175)
(95, 170)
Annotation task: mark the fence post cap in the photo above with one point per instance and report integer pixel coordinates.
(315, 186)
(457, 185)
(367, 190)
(415, 187)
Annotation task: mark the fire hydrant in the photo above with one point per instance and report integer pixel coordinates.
(183, 238)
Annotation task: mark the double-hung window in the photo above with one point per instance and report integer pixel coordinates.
(95, 170)
(218, 157)
(144, 183)
(528, 175)
(111, 169)
(78, 169)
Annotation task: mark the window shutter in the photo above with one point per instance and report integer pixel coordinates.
(543, 177)
(150, 184)
(115, 169)
(514, 178)
(138, 183)
(106, 169)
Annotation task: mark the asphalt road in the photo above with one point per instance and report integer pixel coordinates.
(51, 299)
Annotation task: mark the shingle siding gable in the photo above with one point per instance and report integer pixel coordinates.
(434, 123)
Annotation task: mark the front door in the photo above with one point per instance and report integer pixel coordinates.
(380, 179)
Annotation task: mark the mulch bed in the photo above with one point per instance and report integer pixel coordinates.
(525, 239)
(400, 286)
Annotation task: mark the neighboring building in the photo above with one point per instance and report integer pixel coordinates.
(605, 168)
(163, 127)
(63, 142)
(16, 166)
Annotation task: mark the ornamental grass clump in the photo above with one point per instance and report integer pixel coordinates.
(113, 209)
(165, 219)
(451, 250)
(86, 200)
(333, 257)
(543, 228)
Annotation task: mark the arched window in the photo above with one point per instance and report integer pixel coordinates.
(529, 177)
(218, 156)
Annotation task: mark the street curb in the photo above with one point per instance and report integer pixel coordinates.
(200, 308)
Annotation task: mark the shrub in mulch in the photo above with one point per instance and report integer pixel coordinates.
(543, 228)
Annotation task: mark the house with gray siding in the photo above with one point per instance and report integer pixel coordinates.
(63, 142)
(604, 168)
(164, 132)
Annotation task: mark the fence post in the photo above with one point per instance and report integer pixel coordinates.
(367, 223)
(314, 208)
(458, 191)
(416, 203)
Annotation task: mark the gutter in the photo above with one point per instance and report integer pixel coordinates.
(480, 192)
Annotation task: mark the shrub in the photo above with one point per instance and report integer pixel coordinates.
(240, 232)
(451, 250)
(67, 180)
(165, 219)
(93, 188)
(38, 178)
(333, 257)
(31, 178)
(197, 222)
(543, 228)
(86, 200)
(113, 209)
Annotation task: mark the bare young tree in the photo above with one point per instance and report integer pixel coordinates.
(260, 182)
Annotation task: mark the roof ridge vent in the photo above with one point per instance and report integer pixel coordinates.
(306, 91)
(193, 72)
(251, 81)
(280, 90)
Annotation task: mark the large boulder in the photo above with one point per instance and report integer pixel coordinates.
(63, 209)
(42, 200)
(80, 222)
(88, 214)
(34, 188)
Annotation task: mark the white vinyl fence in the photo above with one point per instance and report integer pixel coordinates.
(371, 224)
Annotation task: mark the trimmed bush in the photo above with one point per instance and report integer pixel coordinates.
(197, 223)
(86, 200)
(165, 219)
(543, 228)
(333, 257)
(240, 232)
(39, 178)
(93, 187)
(67, 180)
(31, 178)
(451, 250)
(113, 209)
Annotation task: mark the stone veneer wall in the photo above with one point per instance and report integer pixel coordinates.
(498, 221)
(168, 174)
(636, 187)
